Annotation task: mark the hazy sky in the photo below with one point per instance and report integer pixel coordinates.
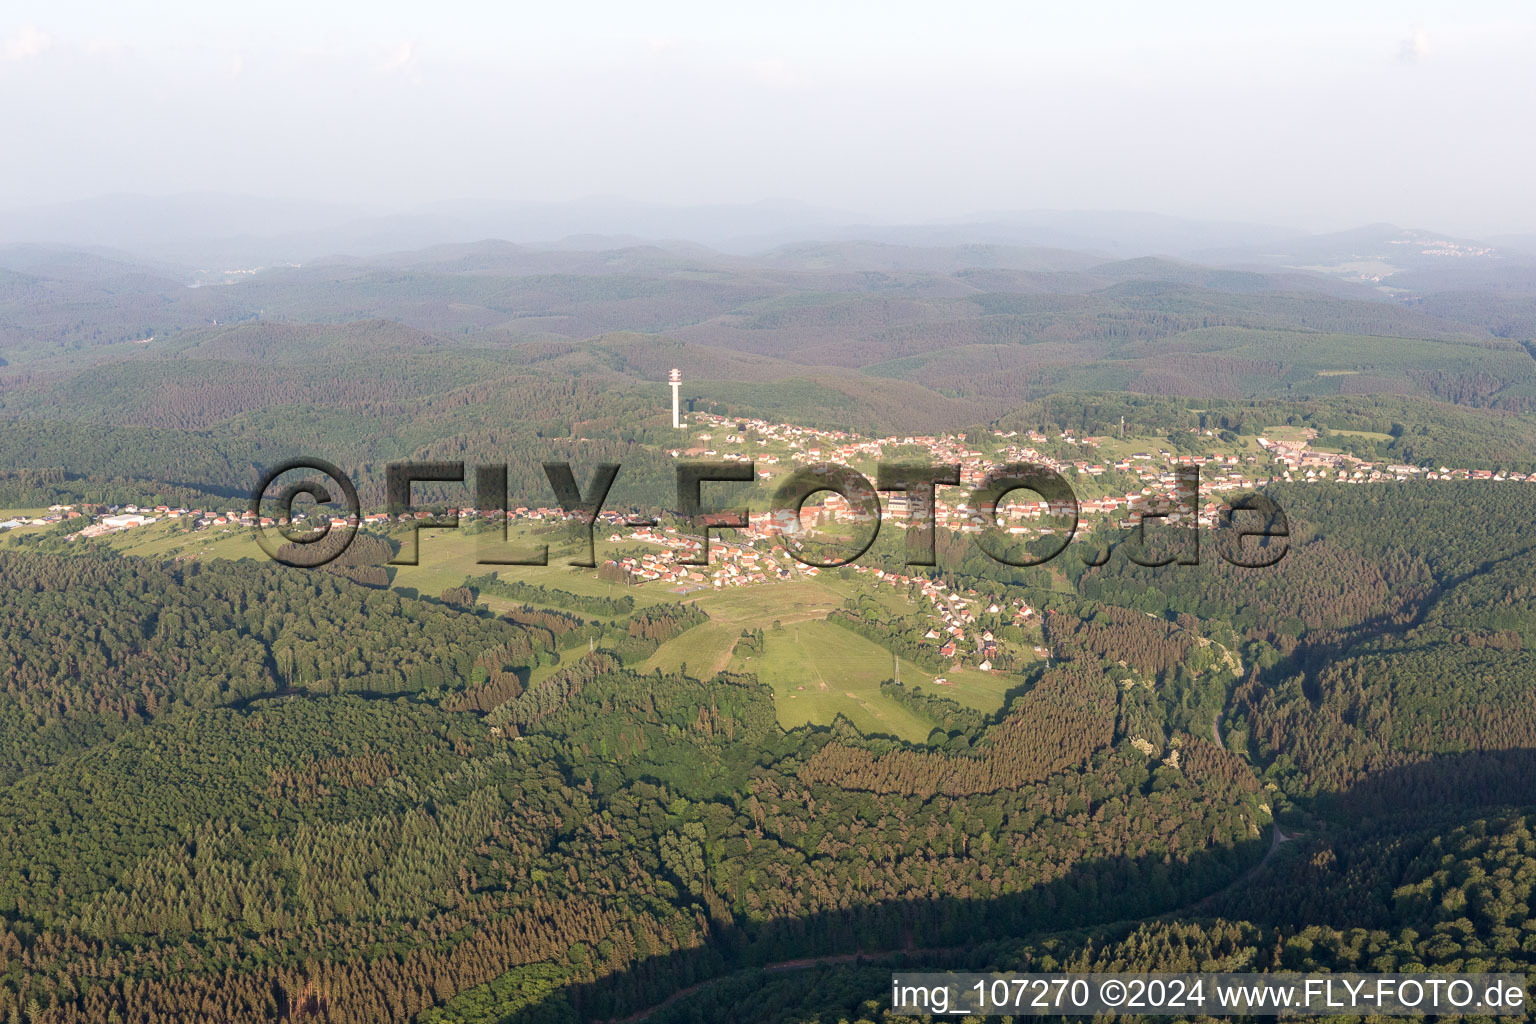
(1315, 115)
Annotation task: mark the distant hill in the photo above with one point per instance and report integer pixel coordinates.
(1525, 243)
(1222, 279)
(1381, 254)
(864, 334)
(214, 231)
(193, 228)
(887, 257)
(73, 263)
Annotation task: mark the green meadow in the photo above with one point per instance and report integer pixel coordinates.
(817, 670)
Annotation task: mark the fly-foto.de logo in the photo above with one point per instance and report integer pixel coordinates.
(1250, 532)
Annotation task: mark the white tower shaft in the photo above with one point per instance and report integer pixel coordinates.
(676, 380)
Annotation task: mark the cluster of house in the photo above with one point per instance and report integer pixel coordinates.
(127, 517)
(735, 431)
(540, 514)
(108, 520)
(1301, 462)
(98, 520)
(101, 520)
(55, 514)
(737, 564)
(810, 446)
(1157, 472)
(955, 632)
(732, 563)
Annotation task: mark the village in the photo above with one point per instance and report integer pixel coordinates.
(791, 446)
(757, 555)
(1156, 470)
(761, 553)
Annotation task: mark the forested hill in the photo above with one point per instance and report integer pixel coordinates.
(116, 377)
(101, 646)
(264, 794)
(240, 792)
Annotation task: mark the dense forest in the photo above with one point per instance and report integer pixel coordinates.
(276, 794)
(238, 792)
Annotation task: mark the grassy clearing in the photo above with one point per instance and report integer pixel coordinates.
(758, 606)
(1368, 435)
(1286, 435)
(171, 539)
(705, 650)
(983, 691)
(818, 671)
(446, 558)
(808, 651)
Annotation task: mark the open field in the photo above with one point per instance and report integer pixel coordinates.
(1112, 448)
(448, 557)
(706, 649)
(14, 535)
(790, 601)
(819, 670)
(816, 669)
(1369, 435)
(1286, 435)
(983, 691)
(810, 650)
(169, 539)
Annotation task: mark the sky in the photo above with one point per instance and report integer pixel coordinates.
(1317, 116)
